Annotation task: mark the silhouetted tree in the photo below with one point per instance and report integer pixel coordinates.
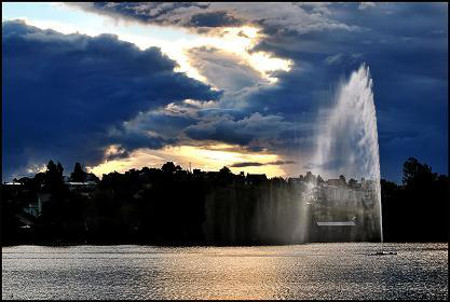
(225, 171)
(225, 175)
(320, 179)
(78, 173)
(51, 168)
(170, 206)
(418, 210)
(59, 170)
(415, 173)
(309, 177)
(53, 177)
(352, 182)
(169, 168)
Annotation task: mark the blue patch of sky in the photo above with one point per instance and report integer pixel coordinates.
(77, 17)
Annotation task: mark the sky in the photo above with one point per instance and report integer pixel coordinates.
(118, 86)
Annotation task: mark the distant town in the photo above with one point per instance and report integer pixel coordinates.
(174, 206)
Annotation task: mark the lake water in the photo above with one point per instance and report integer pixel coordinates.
(312, 271)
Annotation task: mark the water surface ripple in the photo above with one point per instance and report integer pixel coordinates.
(312, 271)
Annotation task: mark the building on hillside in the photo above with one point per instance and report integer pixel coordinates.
(340, 212)
(253, 179)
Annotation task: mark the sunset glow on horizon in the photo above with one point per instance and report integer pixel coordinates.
(208, 158)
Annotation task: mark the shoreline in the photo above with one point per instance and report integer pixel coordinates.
(212, 245)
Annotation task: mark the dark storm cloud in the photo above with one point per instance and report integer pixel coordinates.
(404, 44)
(215, 19)
(406, 48)
(149, 12)
(255, 131)
(245, 95)
(187, 14)
(273, 17)
(64, 94)
(152, 129)
(255, 164)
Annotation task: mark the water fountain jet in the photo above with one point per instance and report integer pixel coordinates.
(348, 145)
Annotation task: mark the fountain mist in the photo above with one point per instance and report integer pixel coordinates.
(348, 141)
(306, 209)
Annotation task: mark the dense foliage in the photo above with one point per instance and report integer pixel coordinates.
(417, 210)
(169, 206)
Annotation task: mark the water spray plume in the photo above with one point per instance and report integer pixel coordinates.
(348, 141)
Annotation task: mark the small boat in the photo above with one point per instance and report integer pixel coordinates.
(335, 223)
(384, 253)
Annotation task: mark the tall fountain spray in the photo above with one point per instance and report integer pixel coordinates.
(348, 142)
(308, 210)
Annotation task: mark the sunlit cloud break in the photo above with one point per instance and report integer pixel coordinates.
(209, 158)
(238, 41)
(129, 80)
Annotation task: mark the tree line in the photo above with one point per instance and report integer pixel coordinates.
(171, 206)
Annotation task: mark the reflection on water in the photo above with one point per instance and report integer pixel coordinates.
(315, 271)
